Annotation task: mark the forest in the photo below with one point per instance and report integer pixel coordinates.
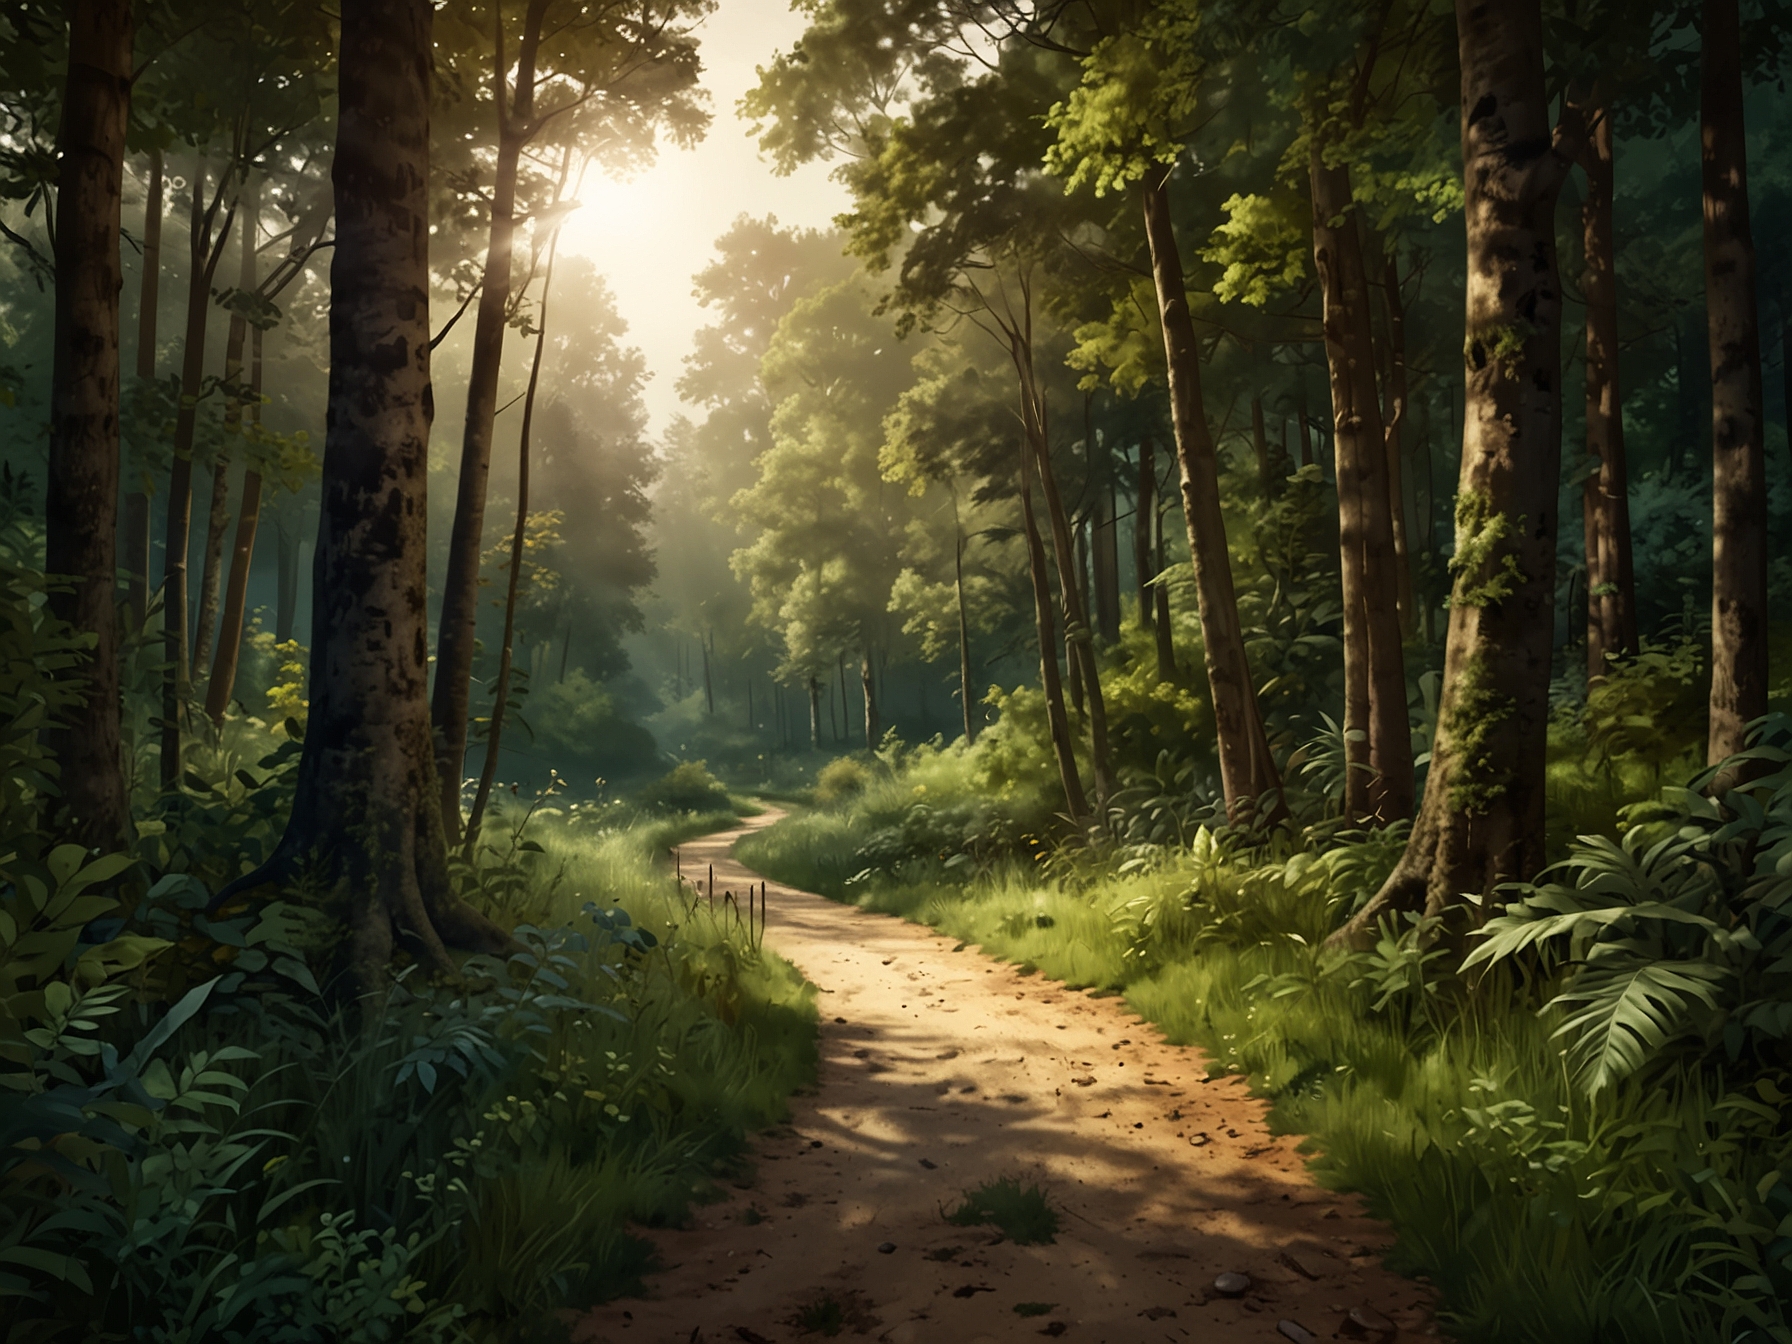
(1263, 526)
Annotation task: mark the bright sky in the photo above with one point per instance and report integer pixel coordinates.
(650, 235)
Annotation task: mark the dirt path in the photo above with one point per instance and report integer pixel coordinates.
(941, 1070)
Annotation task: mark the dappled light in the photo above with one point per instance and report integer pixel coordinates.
(927, 670)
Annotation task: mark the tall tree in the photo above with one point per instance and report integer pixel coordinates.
(1124, 128)
(136, 501)
(1378, 784)
(494, 739)
(366, 821)
(1248, 773)
(1738, 424)
(1605, 497)
(602, 74)
(1481, 822)
(81, 504)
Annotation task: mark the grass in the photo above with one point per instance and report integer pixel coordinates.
(1541, 1216)
(1024, 1216)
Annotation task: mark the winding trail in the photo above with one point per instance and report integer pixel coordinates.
(941, 1069)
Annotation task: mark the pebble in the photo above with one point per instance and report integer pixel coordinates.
(886, 1248)
(1232, 1285)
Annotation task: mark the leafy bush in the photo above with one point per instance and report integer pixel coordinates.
(840, 780)
(687, 787)
(1677, 935)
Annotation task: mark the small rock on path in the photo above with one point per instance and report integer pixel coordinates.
(941, 1069)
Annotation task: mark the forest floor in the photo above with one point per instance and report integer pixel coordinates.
(941, 1070)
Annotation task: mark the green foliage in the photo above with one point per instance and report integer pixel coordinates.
(1025, 1216)
(1650, 1209)
(840, 780)
(1675, 937)
(686, 787)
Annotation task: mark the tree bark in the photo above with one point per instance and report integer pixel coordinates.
(211, 559)
(460, 590)
(814, 712)
(1248, 772)
(964, 633)
(222, 684)
(1394, 428)
(366, 821)
(868, 688)
(286, 582)
(1166, 635)
(81, 502)
(1144, 514)
(1605, 496)
(1073, 664)
(136, 500)
(1378, 786)
(1268, 481)
(204, 252)
(1105, 550)
(1481, 822)
(1080, 648)
(1738, 456)
(1056, 717)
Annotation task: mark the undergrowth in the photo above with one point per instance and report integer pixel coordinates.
(1546, 1199)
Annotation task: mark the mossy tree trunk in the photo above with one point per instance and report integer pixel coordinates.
(1481, 822)
(366, 822)
(1738, 424)
(81, 502)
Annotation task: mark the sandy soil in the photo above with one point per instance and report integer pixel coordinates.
(940, 1070)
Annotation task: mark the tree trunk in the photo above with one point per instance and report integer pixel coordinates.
(1073, 665)
(1248, 772)
(814, 712)
(964, 639)
(1056, 717)
(868, 687)
(459, 621)
(136, 500)
(1394, 428)
(1481, 822)
(286, 582)
(1605, 497)
(518, 542)
(81, 502)
(1143, 515)
(1080, 647)
(222, 684)
(204, 252)
(1268, 481)
(211, 559)
(1105, 548)
(366, 825)
(1166, 636)
(1738, 456)
(1378, 786)
(709, 686)
(845, 714)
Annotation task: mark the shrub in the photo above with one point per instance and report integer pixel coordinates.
(687, 787)
(841, 779)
